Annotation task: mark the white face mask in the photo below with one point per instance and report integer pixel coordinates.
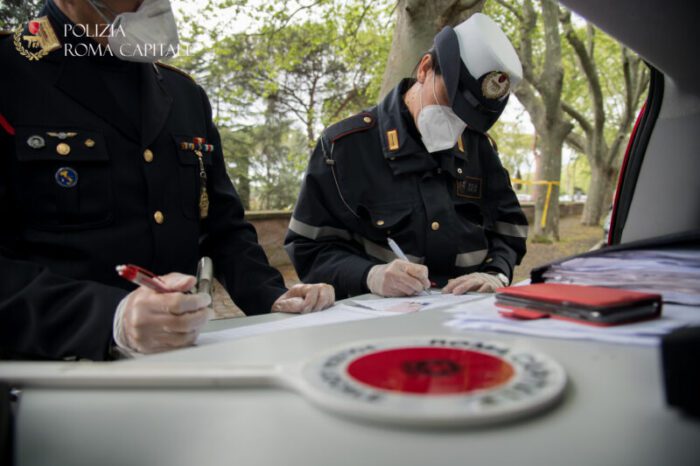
(145, 35)
(438, 125)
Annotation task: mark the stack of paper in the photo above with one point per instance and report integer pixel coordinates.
(484, 315)
(673, 273)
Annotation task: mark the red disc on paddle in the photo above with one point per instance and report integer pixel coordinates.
(431, 371)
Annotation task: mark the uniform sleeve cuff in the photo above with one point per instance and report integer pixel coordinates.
(499, 265)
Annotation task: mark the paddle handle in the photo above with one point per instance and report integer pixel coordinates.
(117, 375)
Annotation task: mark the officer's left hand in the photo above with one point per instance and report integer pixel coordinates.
(478, 281)
(305, 298)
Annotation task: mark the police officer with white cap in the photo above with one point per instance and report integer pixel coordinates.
(418, 169)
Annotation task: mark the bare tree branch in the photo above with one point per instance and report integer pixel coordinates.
(589, 69)
(576, 142)
(552, 72)
(579, 117)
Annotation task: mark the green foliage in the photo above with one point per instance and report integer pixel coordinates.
(274, 84)
(15, 12)
(514, 146)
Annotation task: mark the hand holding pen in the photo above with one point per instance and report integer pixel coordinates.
(161, 314)
(399, 277)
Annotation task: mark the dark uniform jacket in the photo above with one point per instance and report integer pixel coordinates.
(371, 178)
(126, 192)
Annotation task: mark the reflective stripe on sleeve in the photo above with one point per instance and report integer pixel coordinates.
(511, 229)
(385, 254)
(312, 232)
(371, 248)
(470, 259)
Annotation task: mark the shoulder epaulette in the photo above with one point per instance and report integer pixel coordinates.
(492, 141)
(356, 123)
(170, 67)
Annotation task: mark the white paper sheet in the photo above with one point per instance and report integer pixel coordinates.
(483, 315)
(336, 314)
(673, 273)
(434, 300)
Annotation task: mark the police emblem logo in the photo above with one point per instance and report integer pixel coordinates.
(495, 85)
(40, 41)
(66, 177)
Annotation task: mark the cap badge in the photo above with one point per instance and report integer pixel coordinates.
(495, 85)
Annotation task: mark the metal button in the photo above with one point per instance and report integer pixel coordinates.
(89, 143)
(367, 119)
(392, 158)
(435, 226)
(459, 170)
(380, 222)
(159, 217)
(63, 149)
(148, 155)
(488, 260)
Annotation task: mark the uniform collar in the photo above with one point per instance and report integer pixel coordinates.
(401, 145)
(396, 125)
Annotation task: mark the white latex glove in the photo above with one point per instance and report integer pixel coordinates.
(398, 278)
(150, 322)
(478, 281)
(305, 298)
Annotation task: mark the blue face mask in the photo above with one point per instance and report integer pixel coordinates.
(145, 35)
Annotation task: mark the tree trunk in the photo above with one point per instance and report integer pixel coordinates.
(243, 182)
(599, 194)
(417, 22)
(552, 142)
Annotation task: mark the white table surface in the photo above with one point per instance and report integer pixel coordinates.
(613, 413)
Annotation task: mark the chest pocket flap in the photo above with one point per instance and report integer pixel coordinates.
(63, 179)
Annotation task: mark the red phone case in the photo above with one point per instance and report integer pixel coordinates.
(537, 301)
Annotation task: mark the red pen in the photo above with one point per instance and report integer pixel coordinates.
(143, 277)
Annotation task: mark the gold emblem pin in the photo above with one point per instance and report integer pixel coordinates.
(63, 149)
(40, 41)
(460, 144)
(89, 143)
(392, 137)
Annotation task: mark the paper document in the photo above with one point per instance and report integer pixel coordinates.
(673, 273)
(334, 315)
(434, 300)
(484, 315)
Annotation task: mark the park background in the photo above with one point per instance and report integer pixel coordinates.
(278, 72)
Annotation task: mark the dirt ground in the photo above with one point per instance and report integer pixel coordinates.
(575, 238)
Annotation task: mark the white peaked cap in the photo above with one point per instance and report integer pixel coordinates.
(484, 48)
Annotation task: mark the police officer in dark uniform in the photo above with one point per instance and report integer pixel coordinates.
(417, 169)
(107, 158)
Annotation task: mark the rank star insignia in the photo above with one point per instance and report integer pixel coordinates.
(40, 41)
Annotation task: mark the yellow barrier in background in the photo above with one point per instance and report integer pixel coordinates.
(549, 184)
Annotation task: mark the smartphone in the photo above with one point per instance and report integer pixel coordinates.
(522, 309)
